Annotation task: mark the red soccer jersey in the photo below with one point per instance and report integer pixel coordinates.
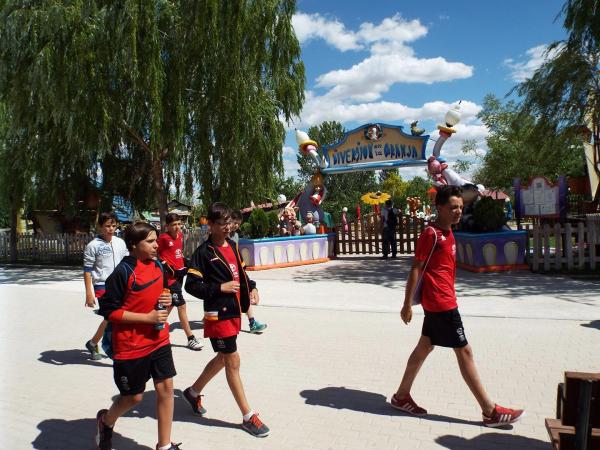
(171, 251)
(438, 280)
(228, 327)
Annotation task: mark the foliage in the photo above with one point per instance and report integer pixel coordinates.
(521, 145)
(258, 224)
(469, 148)
(288, 186)
(164, 95)
(488, 215)
(396, 187)
(273, 218)
(564, 92)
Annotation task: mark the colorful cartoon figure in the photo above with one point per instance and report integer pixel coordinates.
(309, 147)
(345, 219)
(373, 132)
(309, 228)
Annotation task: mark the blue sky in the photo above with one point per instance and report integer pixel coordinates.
(398, 61)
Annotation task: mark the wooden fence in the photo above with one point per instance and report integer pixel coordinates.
(364, 236)
(568, 247)
(49, 249)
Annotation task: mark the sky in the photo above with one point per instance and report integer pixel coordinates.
(395, 61)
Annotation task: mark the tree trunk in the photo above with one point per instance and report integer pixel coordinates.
(596, 142)
(14, 218)
(159, 187)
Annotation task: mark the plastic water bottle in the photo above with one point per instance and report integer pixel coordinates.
(161, 307)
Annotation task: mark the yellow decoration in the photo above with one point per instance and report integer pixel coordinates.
(375, 198)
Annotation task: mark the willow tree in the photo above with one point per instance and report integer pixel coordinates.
(164, 93)
(564, 93)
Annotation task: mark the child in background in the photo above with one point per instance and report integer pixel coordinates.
(256, 327)
(170, 253)
(100, 258)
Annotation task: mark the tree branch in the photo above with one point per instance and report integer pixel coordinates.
(136, 137)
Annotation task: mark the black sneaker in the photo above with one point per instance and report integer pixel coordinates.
(94, 351)
(195, 402)
(255, 427)
(103, 433)
(172, 447)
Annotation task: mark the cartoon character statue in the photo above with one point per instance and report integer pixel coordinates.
(319, 191)
(345, 219)
(287, 221)
(309, 147)
(309, 228)
(444, 175)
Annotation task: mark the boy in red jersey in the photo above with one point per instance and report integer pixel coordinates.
(170, 253)
(442, 325)
(217, 276)
(140, 347)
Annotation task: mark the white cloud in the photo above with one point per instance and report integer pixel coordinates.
(533, 59)
(315, 26)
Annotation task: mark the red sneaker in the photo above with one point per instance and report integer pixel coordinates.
(407, 405)
(502, 416)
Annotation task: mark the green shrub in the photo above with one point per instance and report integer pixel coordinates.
(273, 217)
(488, 215)
(259, 224)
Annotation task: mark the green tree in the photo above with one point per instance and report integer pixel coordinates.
(564, 92)
(518, 146)
(342, 189)
(394, 185)
(163, 94)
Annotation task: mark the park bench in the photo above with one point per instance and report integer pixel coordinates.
(577, 423)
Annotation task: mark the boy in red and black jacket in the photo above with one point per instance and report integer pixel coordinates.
(140, 335)
(217, 276)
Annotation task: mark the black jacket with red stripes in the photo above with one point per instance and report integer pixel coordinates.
(208, 271)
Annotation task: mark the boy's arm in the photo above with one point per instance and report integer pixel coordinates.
(89, 259)
(195, 283)
(411, 285)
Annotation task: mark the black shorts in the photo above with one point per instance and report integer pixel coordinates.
(131, 375)
(176, 294)
(224, 345)
(445, 328)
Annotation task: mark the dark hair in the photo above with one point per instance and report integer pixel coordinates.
(172, 217)
(137, 232)
(389, 203)
(445, 192)
(218, 211)
(237, 215)
(106, 216)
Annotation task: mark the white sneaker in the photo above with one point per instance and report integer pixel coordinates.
(195, 344)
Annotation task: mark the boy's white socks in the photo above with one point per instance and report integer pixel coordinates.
(247, 416)
(193, 392)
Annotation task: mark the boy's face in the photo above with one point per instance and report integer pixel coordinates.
(220, 229)
(173, 228)
(451, 212)
(146, 249)
(107, 229)
(235, 225)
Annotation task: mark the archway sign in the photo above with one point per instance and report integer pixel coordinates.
(374, 146)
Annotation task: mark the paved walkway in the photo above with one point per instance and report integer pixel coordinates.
(321, 374)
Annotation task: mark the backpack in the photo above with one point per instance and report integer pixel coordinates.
(392, 219)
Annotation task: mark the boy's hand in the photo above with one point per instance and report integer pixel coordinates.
(231, 287)
(254, 297)
(406, 313)
(158, 316)
(90, 300)
(165, 299)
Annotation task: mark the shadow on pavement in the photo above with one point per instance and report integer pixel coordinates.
(37, 275)
(593, 324)
(368, 402)
(59, 434)
(492, 441)
(182, 413)
(75, 356)
(194, 325)
(392, 273)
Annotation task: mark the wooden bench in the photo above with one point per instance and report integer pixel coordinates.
(577, 423)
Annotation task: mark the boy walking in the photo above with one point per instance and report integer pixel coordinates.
(435, 256)
(256, 327)
(140, 336)
(100, 258)
(170, 253)
(217, 276)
